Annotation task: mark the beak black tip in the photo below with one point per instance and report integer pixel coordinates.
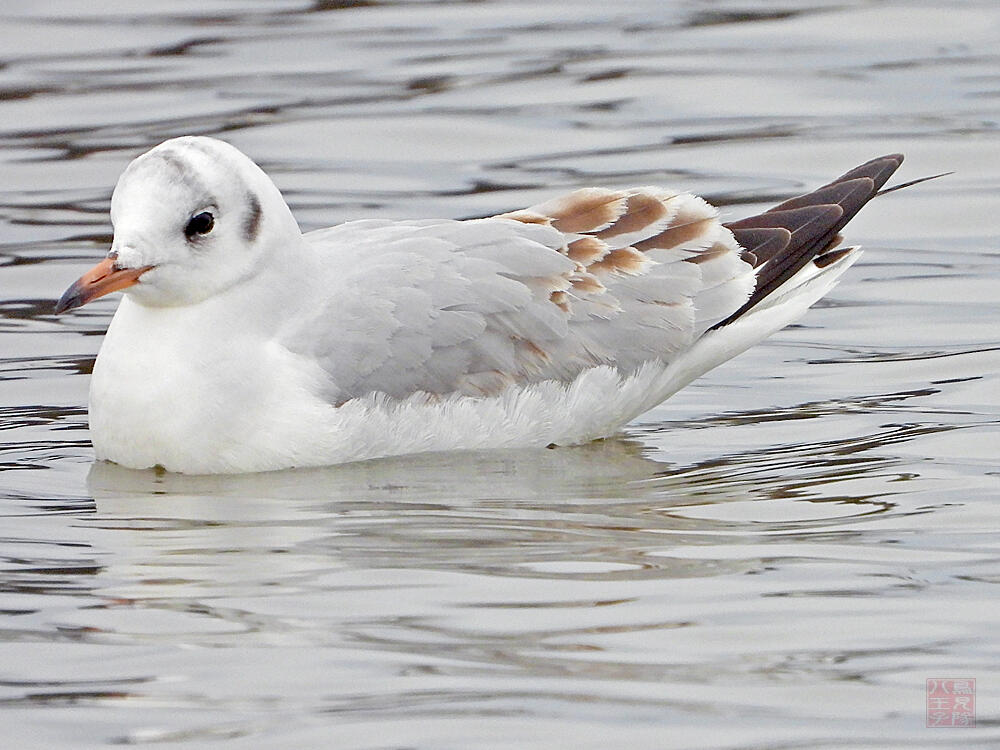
(68, 301)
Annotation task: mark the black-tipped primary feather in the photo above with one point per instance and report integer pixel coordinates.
(812, 222)
(761, 243)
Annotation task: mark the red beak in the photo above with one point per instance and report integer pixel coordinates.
(102, 279)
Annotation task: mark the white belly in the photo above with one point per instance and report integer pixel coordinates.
(243, 406)
(249, 425)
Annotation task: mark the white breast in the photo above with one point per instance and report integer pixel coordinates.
(162, 395)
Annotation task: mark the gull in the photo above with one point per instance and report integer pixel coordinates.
(243, 345)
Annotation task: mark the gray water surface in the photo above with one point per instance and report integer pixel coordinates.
(778, 557)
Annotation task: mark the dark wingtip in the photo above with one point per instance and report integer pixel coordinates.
(826, 259)
(878, 170)
(814, 221)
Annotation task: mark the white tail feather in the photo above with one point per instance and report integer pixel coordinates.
(783, 306)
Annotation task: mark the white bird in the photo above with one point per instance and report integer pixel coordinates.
(243, 345)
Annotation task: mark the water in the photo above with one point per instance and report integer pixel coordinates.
(778, 557)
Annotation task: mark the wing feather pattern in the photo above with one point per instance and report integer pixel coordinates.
(595, 277)
(812, 222)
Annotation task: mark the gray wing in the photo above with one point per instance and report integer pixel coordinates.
(597, 277)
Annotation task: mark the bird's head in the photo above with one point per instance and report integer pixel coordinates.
(192, 217)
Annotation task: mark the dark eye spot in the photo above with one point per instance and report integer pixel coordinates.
(200, 224)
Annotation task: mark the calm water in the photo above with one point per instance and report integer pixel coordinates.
(777, 558)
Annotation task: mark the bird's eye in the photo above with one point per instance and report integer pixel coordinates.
(200, 224)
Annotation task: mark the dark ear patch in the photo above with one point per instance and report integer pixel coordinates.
(251, 224)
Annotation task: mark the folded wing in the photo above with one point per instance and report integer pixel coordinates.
(596, 277)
